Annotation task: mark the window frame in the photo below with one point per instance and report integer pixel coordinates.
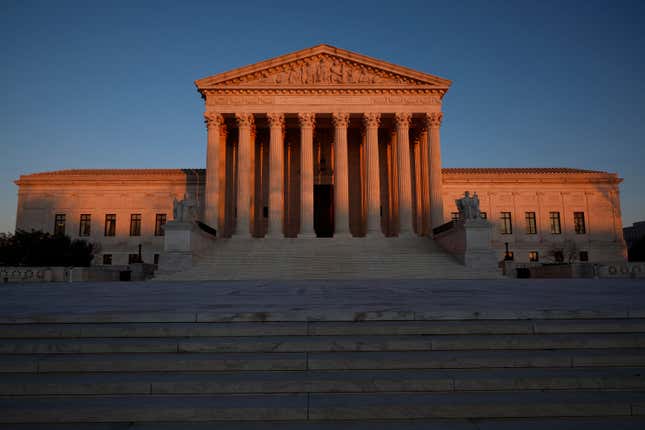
(107, 259)
(531, 256)
(531, 222)
(110, 225)
(85, 225)
(135, 224)
(506, 226)
(555, 221)
(579, 225)
(60, 219)
(160, 222)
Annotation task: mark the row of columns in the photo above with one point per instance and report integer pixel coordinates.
(371, 120)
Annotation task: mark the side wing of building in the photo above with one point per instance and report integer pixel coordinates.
(117, 209)
(534, 210)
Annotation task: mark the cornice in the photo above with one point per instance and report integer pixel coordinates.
(331, 90)
(544, 175)
(281, 63)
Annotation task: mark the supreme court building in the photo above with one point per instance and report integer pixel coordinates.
(326, 143)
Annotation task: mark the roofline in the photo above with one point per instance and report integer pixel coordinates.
(318, 49)
(165, 173)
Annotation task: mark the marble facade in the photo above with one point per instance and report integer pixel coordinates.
(329, 143)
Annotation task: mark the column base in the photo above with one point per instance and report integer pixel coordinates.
(241, 237)
(375, 233)
(406, 235)
(343, 235)
(274, 236)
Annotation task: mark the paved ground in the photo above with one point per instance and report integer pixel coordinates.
(321, 300)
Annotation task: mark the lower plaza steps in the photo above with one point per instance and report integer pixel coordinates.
(327, 258)
(303, 374)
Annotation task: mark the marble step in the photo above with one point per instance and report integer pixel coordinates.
(162, 362)
(475, 405)
(320, 343)
(564, 423)
(512, 404)
(322, 381)
(474, 359)
(318, 328)
(221, 362)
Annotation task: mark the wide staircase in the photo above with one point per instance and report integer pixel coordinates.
(327, 258)
(301, 374)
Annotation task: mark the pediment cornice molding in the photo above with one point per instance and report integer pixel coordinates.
(323, 69)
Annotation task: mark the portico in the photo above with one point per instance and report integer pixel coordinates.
(323, 142)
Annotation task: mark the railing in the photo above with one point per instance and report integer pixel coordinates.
(444, 227)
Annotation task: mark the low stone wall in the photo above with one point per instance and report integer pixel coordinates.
(623, 270)
(575, 270)
(33, 274)
(134, 272)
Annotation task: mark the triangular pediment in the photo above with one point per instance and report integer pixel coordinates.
(322, 66)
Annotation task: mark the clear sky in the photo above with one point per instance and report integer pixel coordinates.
(92, 84)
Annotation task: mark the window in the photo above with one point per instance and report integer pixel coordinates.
(584, 256)
(135, 224)
(59, 224)
(531, 225)
(85, 225)
(554, 218)
(454, 216)
(579, 222)
(559, 256)
(133, 258)
(156, 259)
(107, 259)
(110, 224)
(483, 215)
(160, 221)
(533, 256)
(507, 224)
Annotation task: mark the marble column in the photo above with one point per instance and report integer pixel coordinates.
(405, 177)
(276, 176)
(214, 122)
(307, 123)
(341, 176)
(373, 194)
(244, 124)
(425, 187)
(436, 181)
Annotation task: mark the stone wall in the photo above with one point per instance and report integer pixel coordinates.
(151, 191)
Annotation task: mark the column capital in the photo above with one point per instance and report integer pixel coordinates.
(402, 119)
(213, 119)
(276, 119)
(244, 119)
(371, 119)
(340, 119)
(307, 119)
(433, 119)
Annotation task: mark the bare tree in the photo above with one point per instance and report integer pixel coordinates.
(559, 252)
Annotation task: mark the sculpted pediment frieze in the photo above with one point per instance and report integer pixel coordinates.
(320, 70)
(321, 67)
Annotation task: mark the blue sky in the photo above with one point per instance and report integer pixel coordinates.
(110, 84)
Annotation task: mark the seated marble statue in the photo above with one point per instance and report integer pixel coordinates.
(468, 207)
(185, 210)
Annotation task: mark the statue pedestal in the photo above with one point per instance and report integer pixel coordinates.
(470, 242)
(182, 242)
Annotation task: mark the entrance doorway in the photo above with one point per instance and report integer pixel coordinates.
(324, 210)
